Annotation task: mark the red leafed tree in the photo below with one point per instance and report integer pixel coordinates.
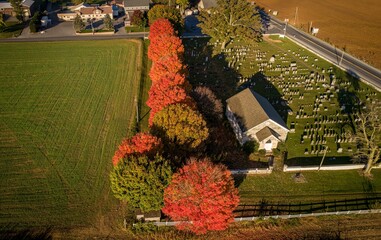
(165, 46)
(163, 94)
(202, 196)
(166, 66)
(161, 27)
(141, 143)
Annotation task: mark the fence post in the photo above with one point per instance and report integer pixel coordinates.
(335, 205)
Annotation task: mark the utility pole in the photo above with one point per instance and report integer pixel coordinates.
(322, 160)
(285, 26)
(296, 16)
(137, 110)
(341, 59)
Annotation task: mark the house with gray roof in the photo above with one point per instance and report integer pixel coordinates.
(254, 118)
(132, 5)
(207, 4)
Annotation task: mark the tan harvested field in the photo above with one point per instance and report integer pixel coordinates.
(353, 24)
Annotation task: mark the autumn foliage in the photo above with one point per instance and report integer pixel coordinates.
(161, 27)
(181, 126)
(167, 73)
(141, 143)
(202, 196)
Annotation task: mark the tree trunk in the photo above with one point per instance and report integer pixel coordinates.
(370, 162)
(223, 45)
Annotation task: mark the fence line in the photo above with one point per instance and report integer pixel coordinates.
(308, 215)
(241, 219)
(252, 171)
(323, 168)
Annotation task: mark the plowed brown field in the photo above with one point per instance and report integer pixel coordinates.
(353, 24)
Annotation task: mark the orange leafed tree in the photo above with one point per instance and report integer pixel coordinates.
(165, 46)
(167, 66)
(161, 27)
(165, 93)
(141, 143)
(202, 196)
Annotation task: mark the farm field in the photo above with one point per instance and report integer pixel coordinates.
(316, 99)
(64, 107)
(350, 24)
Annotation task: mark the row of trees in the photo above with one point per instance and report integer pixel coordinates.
(200, 194)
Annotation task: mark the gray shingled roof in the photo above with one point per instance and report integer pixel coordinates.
(252, 109)
(136, 3)
(265, 133)
(209, 3)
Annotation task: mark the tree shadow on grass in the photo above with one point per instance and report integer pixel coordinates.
(210, 67)
(11, 233)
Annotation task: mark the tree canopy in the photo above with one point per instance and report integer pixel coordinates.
(108, 22)
(167, 12)
(231, 19)
(78, 23)
(17, 8)
(203, 196)
(180, 125)
(369, 135)
(141, 181)
(141, 143)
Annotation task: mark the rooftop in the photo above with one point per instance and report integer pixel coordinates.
(252, 109)
(136, 3)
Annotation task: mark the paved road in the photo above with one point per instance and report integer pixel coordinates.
(352, 65)
(74, 38)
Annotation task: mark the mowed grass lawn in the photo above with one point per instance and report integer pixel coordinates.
(64, 108)
(317, 186)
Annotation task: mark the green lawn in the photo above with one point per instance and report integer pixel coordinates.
(136, 29)
(318, 186)
(64, 107)
(145, 85)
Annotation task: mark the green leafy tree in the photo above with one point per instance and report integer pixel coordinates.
(167, 12)
(180, 125)
(34, 23)
(78, 23)
(183, 4)
(2, 23)
(231, 19)
(368, 136)
(141, 181)
(108, 22)
(17, 8)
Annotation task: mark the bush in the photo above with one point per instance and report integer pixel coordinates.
(144, 227)
(35, 22)
(262, 152)
(250, 147)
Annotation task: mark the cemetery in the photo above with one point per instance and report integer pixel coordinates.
(316, 99)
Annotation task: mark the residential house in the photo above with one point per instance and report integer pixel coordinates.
(254, 118)
(86, 12)
(96, 12)
(26, 5)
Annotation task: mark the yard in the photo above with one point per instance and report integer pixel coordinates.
(64, 106)
(313, 187)
(316, 99)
